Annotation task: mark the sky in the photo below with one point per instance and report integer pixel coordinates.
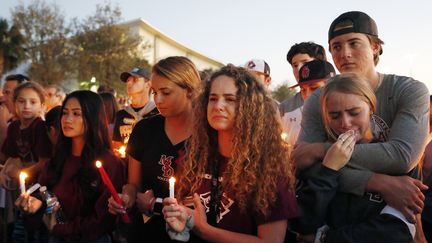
(234, 31)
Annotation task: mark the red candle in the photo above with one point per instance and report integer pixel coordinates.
(108, 183)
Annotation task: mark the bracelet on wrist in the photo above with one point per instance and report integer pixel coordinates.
(157, 206)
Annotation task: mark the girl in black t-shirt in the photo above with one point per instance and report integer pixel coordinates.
(155, 145)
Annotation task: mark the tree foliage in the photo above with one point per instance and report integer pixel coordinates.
(103, 48)
(11, 47)
(98, 46)
(283, 92)
(45, 35)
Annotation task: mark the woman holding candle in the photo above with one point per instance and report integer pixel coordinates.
(236, 166)
(72, 175)
(155, 145)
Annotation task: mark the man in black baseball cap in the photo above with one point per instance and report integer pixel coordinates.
(403, 104)
(313, 75)
(137, 72)
(138, 89)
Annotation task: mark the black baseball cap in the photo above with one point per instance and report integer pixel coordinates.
(352, 22)
(315, 71)
(140, 72)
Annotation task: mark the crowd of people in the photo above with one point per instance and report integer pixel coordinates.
(347, 159)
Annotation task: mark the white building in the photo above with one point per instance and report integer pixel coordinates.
(161, 46)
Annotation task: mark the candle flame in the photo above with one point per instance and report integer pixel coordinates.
(98, 164)
(284, 135)
(23, 175)
(172, 180)
(122, 150)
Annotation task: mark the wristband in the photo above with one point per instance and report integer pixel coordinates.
(321, 234)
(184, 235)
(157, 206)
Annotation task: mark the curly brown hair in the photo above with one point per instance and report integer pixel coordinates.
(260, 158)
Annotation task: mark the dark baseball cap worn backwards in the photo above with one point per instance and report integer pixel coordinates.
(138, 72)
(315, 71)
(352, 22)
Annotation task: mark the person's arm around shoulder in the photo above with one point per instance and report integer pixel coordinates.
(396, 156)
(408, 132)
(401, 192)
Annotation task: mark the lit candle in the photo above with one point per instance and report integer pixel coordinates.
(22, 177)
(107, 181)
(284, 136)
(171, 187)
(122, 151)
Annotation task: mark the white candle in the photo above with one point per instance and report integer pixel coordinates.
(171, 187)
(22, 177)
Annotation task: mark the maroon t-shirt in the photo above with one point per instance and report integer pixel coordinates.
(233, 219)
(29, 144)
(80, 225)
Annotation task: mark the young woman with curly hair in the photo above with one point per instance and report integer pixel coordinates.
(236, 165)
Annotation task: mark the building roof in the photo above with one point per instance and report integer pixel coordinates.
(153, 30)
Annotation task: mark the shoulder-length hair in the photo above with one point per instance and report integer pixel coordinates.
(260, 158)
(96, 140)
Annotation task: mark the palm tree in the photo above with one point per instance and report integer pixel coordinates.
(12, 51)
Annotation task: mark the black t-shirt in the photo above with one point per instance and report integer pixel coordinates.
(124, 123)
(29, 144)
(150, 145)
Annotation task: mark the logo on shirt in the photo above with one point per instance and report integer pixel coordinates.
(24, 151)
(373, 197)
(166, 162)
(224, 205)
